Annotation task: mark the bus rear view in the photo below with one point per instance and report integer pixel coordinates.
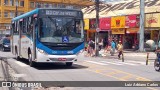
(57, 36)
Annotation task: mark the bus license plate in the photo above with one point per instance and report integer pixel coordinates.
(62, 59)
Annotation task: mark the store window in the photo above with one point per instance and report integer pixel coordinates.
(22, 3)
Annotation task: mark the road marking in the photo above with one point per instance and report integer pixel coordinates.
(111, 62)
(127, 63)
(96, 62)
(21, 64)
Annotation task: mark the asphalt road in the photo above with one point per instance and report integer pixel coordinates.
(87, 69)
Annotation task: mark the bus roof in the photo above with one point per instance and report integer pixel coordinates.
(26, 14)
(36, 11)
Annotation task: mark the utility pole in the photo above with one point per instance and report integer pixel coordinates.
(16, 12)
(141, 40)
(97, 28)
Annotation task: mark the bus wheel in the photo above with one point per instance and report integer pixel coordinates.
(69, 63)
(31, 62)
(157, 65)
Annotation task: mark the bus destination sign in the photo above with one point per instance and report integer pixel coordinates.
(61, 13)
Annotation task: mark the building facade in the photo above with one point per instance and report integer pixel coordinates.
(8, 9)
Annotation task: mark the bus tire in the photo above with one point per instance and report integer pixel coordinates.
(69, 63)
(31, 62)
(157, 65)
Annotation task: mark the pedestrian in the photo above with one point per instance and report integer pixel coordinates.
(120, 49)
(91, 47)
(113, 47)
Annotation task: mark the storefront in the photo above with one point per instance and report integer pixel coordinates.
(131, 35)
(92, 29)
(86, 28)
(118, 28)
(152, 25)
(105, 28)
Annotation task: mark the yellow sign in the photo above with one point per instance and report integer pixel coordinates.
(152, 20)
(118, 22)
(118, 31)
(86, 23)
(132, 30)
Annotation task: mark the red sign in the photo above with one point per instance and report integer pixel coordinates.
(132, 21)
(92, 24)
(105, 23)
(152, 20)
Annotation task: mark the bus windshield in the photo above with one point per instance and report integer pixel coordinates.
(55, 29)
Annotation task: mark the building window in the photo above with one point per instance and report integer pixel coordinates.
(31, 4)
(16, 3)
(12, 14)
(5, 2)
(54, 5)
(22, 3)
(20, 13)
(46, 5)
(11, 3)
(5, 14)
(50, 5)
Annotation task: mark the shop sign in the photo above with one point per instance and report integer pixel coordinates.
(152, 20)
(118, 22)
(132, 21)
(105, 24)
(86, 24)
(118, 31)
(92, 24)
(132, 30)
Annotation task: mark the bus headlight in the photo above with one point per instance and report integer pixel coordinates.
(42, 51)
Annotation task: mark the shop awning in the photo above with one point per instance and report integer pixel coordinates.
(122, 8)
(132, 30)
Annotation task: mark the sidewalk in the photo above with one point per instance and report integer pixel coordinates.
(128, 55)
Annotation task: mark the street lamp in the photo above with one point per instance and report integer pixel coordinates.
(97, 28)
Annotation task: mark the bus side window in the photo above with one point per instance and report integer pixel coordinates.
(15, 30)
(30, 24)
(13, 27)
(24, 26)
(21, 26)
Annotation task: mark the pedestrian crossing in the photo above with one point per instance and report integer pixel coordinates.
(120, 63)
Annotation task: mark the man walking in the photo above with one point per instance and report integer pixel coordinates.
(120, 49)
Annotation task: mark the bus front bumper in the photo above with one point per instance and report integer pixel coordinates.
(42, 58)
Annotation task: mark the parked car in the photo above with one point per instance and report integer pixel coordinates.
(5, 44)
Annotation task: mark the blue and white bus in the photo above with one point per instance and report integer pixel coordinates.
(48, 36)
